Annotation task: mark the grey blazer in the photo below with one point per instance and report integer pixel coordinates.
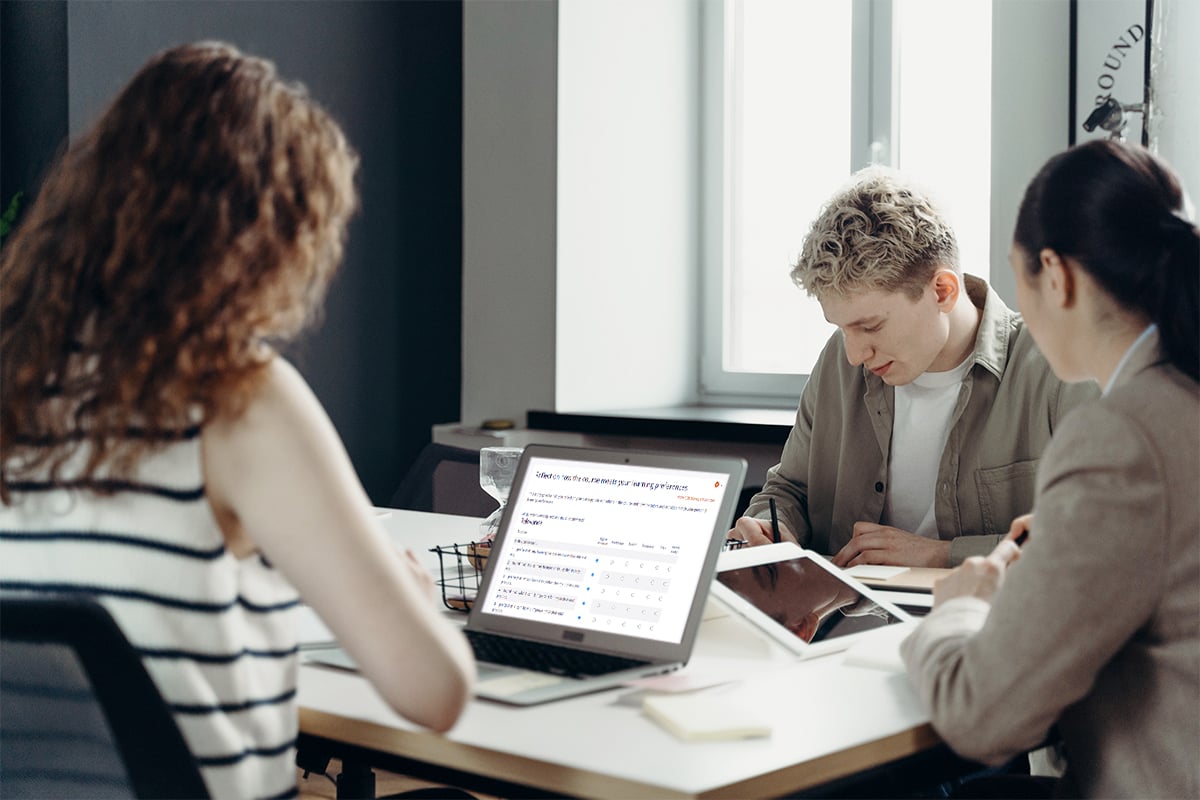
(1096, 628)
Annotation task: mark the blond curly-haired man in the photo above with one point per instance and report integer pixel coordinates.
(919, 431)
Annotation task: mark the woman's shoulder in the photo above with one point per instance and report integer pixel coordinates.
(1156, 390)
(1162, 401)
(281, 382)
(280, 415)
(1155, 416)
(282, 443)
(279, 388)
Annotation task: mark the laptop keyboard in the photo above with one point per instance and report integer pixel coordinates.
(542, 657)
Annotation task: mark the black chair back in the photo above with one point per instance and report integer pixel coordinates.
(79, 715)
(444, 479)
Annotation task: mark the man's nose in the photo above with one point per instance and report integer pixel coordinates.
(857, 353)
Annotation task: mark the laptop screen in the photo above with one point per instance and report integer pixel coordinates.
(606, 547)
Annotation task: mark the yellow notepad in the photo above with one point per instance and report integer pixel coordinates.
(702, 717)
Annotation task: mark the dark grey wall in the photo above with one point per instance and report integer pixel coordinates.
(386, 360)
(33, 91)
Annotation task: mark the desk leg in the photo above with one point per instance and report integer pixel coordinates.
(356, 781)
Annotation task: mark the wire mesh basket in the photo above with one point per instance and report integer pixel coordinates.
(460, 568)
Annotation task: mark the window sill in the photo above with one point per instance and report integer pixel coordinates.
(709, 423)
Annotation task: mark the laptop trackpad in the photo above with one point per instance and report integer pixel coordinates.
(500, 681)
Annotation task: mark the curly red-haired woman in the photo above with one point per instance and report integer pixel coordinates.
(157, 453)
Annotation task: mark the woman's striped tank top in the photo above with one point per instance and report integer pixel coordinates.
(216, 633)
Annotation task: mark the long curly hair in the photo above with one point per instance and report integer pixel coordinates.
(200, 218)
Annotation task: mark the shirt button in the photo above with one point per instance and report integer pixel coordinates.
(878, 486)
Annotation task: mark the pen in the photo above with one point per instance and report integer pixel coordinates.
(774, 520)
(1021, 537)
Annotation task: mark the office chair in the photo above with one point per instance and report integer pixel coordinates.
(79, 715)
(445, 480)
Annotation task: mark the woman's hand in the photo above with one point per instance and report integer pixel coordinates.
(1020, 528)
(978, 576)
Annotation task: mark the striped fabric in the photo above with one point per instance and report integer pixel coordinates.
(217, 634)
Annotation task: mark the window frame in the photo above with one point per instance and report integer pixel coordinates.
(873, 141)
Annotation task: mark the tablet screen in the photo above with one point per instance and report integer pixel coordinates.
(807, 600)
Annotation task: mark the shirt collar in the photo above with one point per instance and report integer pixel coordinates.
(1130, 365)
(995, 326)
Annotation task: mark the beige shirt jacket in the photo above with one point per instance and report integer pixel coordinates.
(1097, 625)
(833, 471)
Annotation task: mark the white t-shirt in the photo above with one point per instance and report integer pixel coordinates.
(919, 432)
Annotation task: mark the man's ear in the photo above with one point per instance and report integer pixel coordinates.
(1058, 278)
(947, 286)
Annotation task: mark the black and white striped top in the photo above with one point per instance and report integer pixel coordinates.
(217, 634)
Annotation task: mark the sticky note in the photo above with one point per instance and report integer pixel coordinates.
(702, 717)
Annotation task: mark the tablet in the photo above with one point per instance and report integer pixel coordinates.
(800, 599)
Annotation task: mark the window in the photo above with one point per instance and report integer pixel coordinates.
(797, 96)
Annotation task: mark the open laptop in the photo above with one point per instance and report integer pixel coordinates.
(605, 559)
(599, 572)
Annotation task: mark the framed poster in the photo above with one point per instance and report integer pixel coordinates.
(1110, 69)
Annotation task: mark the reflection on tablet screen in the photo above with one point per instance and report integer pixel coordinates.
(807, 600)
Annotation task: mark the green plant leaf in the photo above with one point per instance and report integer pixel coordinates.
(10, 214)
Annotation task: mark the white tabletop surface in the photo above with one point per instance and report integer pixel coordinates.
(828, 718)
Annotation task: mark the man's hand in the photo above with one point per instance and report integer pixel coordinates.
(881, 544)
(756, 531)
(978, 576)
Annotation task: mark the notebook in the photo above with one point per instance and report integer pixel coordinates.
(801, 600)
(602, 555)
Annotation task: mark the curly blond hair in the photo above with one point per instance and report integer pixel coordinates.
(203, 215)
(881, 232)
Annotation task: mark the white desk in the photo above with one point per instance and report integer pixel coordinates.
(829, 719)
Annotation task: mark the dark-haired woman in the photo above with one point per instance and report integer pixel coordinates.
(157, 454)
(1095, 631)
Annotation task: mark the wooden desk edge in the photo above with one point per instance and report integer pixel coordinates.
(810, 774)
(437, 750)
(431, 748)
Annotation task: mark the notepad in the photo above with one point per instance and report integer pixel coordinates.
(699, 717)
(875, 572)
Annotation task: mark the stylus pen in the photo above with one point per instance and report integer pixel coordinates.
(774, 520)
